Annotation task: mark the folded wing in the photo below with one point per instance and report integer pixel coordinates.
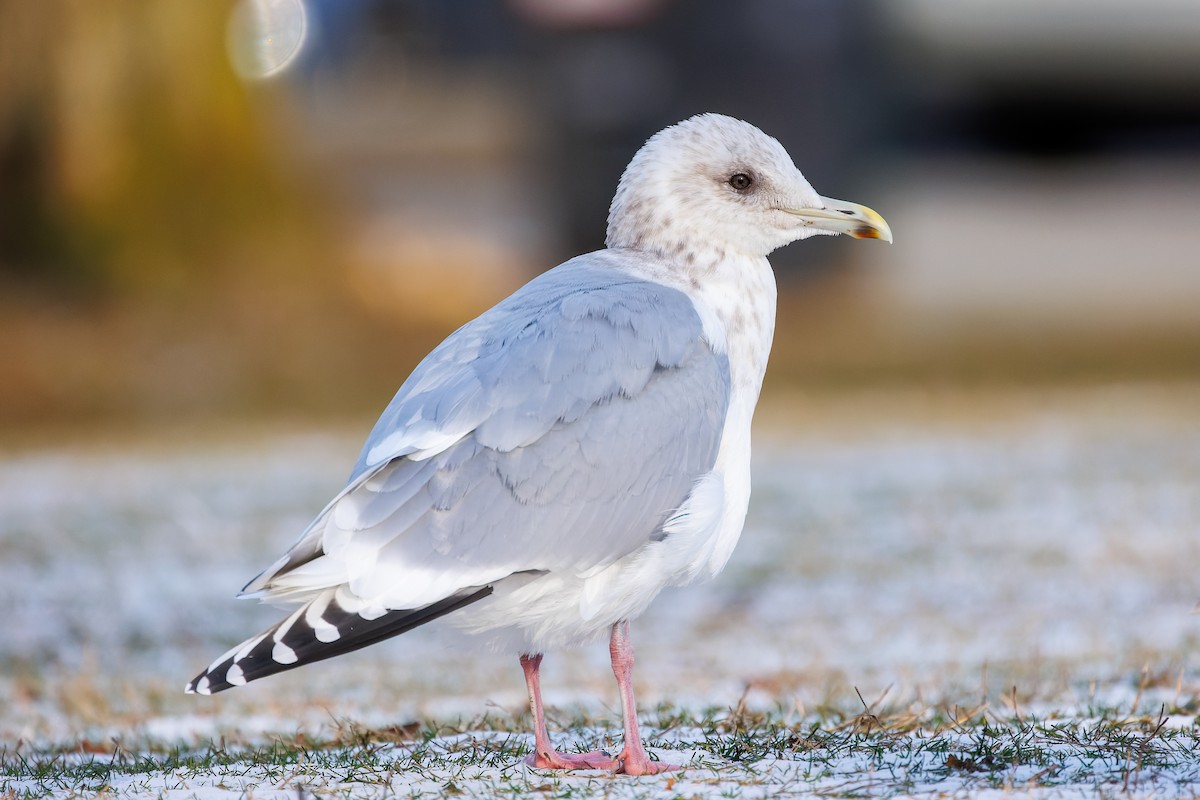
(558, 431)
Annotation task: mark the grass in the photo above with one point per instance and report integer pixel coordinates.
(948, 547)
(884, 752)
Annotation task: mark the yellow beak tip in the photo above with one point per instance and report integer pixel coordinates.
(868, 232)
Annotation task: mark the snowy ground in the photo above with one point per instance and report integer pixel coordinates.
(1018, 560)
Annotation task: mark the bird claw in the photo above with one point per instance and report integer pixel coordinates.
(640, 764)
(597, 759)
(625, 764)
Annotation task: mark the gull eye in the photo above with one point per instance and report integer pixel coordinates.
(740, 181)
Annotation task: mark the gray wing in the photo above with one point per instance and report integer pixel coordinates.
(558, 431)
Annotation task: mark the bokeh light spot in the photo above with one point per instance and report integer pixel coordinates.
(265, 36)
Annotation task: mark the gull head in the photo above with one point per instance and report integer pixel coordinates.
(715, 183)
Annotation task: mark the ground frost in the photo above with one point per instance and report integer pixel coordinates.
(987, 602)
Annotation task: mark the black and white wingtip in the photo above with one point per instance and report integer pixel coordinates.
(331, 624)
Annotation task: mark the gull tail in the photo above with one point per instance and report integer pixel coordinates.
(329, 625)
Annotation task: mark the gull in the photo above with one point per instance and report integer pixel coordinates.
(556, 462)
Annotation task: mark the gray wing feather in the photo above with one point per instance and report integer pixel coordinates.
(559, 430)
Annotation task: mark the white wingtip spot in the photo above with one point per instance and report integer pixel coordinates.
(221, 659)
(321, 629)
(372, 612)
(346, 601)
(235, 676)
(201, 686)
(287, 624)
(188, 688)
(284, 654)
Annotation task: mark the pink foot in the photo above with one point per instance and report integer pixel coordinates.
(552, 759)
(638, 763)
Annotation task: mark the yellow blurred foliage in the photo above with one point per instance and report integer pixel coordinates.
(160, 250)
(156, 171)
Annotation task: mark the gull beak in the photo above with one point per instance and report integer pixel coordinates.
(838, 216)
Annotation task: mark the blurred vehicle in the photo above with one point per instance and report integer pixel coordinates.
(1050, 78)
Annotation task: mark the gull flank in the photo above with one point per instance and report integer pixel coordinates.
(555, 463)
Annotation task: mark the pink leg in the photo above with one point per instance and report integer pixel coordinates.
(633, 759)
(544, 755)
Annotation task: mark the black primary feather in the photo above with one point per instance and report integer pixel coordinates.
(354, 633)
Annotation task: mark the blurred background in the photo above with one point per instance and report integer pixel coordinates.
(278, 206)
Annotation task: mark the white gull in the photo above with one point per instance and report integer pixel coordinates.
(558, 461)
